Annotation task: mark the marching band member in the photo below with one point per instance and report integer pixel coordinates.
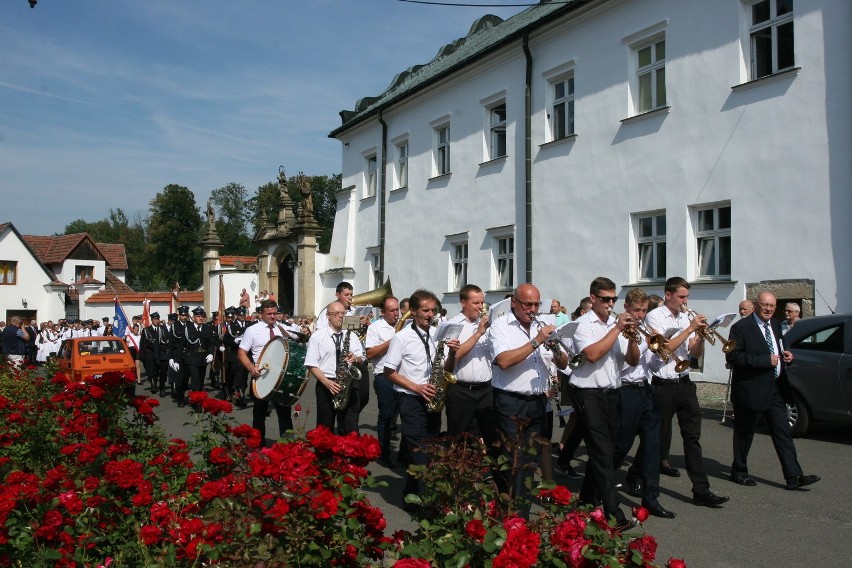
(471, 396)
(676, 394)
(149, 350)
(235, 373)
(521, 381)
(199, 344)
(408, 364)
(640, 414)
(378, 339)
(595, 391)
(254, 339)
(332, 352)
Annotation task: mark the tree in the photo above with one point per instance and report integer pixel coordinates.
(174, 232)
(324, 189)
(264, 206)
(232, 205)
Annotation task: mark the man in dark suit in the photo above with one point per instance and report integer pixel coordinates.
(199, 344)
(759, 387)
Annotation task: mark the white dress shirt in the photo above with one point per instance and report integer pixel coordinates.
(641, 372)
(662, 320)
(606, 371)
(475, 367)
(256, 337)
(322, 318)
(532, 375)
(407, 355)
(379, 332)
(322, 350)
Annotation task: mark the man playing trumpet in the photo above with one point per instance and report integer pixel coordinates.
(676, 393)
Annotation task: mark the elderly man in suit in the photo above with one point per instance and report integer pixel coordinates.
(759, 387)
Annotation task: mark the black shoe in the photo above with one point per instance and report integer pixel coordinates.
(240, 402)
(181, 403)
(669, 470)
(567, 471)
(386, 462)
(624, 525)
(162, 392)
(633, 487)
(709, 499)
(801, 481)
(658, 511)
(746, 479)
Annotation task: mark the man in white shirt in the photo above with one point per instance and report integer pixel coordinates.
(471, 397)
(254, 339)
(408, 364)
(676, 393)
(328, 349)
(343, 293)
(640, 415)
(378, 339)
(521, 381)
(600, 337)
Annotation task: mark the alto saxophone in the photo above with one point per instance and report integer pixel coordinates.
(346, 373)
(440, 379)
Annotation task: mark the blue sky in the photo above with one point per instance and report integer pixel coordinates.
(104, 102)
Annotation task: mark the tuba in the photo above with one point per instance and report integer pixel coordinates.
(372, 298)
(346, 373)
(440, 379)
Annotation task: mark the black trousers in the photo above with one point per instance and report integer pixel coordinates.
(152, 368)
(600, 412)
(236, 377)
(466, 404)
(640, 415)
(346, 418)
(260, 409)
(680, 398)
(745, 420)
(418, 426)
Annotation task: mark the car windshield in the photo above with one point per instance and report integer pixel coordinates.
(100, 347)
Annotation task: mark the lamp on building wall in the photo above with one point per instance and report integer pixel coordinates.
(292, 263)
(24, 302)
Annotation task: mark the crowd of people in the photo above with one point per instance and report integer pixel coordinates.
(624, 375)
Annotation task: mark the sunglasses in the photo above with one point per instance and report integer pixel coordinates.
(606, 299)
(528, 305)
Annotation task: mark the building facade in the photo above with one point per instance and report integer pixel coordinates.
(634, 140)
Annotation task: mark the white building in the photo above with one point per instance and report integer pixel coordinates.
(634, 140)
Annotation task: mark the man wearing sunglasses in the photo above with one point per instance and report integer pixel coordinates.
(595, 383)
(676, 393)
(521, 379)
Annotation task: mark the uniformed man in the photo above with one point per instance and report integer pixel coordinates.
(199, 345)
(149, 350)
(235, 372)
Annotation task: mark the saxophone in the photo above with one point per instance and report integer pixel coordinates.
(346, 373)
(440, 379)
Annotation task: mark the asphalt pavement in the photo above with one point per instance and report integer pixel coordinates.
(762, 526)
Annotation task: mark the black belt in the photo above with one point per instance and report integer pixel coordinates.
(472, 386)
(605, 390)
(660, 381)
(634, 385)
(198, 350)
(528, 397)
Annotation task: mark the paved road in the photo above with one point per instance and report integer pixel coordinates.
(763, 526)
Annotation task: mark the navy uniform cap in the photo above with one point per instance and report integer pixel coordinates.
(241, 311)
(199, 311)
(172, 317)
(183, 310)
(230, 311)
(155, 315)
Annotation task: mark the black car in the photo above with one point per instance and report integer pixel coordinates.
(821, 372)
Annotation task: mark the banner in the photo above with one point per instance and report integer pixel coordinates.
(146, 312)
(222, 323)
(119, 321)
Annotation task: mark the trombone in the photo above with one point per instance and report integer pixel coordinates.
(657, 346)
(707, 333)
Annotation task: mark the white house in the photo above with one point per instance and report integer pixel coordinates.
(634, 140)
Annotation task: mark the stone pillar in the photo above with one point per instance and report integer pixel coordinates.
(306, 273)
(210, 246)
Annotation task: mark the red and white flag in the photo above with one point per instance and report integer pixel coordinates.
(146, 312)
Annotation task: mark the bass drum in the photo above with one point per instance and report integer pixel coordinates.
(272, 362)
(295, 376)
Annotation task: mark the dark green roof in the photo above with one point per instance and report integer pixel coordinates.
(487, 34)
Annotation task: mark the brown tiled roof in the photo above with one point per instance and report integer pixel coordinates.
(114, 255)
(232, 260)
(106, 297)
(114, 284)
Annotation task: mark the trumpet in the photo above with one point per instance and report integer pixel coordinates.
(708, 334)
(657, 345)
(628, 333)
(556, 346)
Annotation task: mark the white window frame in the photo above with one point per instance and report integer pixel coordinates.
(375, 267)
(502, 258)
(371, 174)
(653, 243)
(8, 272)
(553, 77)
(498, 142)
(441, 142)
(459, 251)
(712, 244)
(772, 25)
(402, 164)
(652, 37)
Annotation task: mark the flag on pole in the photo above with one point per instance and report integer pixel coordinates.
(222, 323)
(146, 312)
(119, 321)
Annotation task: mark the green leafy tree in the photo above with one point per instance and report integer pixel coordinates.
(232, 205)
(263, 206)
(324, 189)
(174, 232)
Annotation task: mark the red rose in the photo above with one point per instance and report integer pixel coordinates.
(72, 502)
(641, 514)
(197, 397)
(215, 406)
(647, 547)
(412, 563)
(559, 494)
(675, 563)
(220, 456)
(475, 530)
(150, 534)
(598, 516)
